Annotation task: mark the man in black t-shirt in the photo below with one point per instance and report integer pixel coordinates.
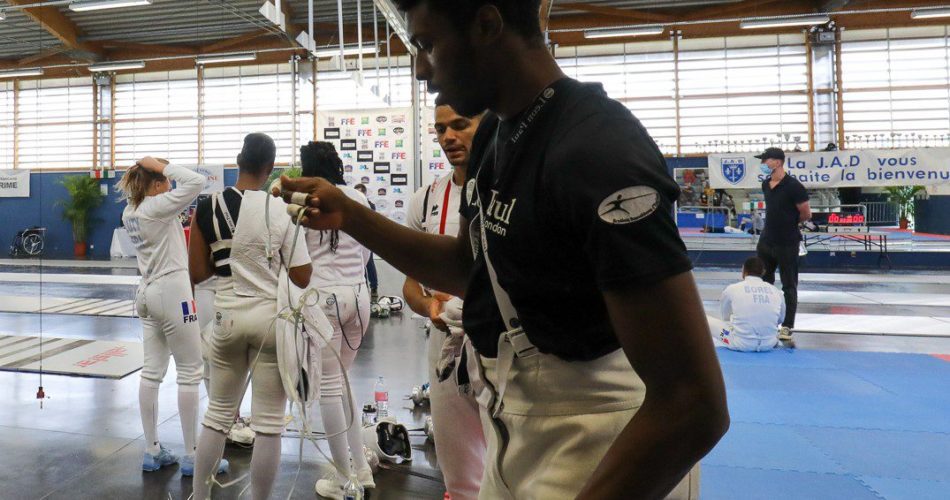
(786, 205)
(592, 359)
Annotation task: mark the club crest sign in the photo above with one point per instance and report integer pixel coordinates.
(733, 169)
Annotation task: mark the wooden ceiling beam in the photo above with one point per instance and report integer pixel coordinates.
(57, 24)
(627, 14)
(748, 8)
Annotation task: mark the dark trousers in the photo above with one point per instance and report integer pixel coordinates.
(785, 258)
(371, 274)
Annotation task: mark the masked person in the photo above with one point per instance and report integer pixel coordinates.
(244, 243)
(751, 312)
(786, 205)
(338, 265)
(459, 442)
(592, 362)
(164, 300)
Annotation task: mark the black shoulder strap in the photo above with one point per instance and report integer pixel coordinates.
(425, 204)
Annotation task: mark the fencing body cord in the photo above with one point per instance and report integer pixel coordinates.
(310, 298)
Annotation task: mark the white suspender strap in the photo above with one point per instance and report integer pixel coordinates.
(521, 346)
(214, 217)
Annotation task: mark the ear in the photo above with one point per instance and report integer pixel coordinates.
(488, 25)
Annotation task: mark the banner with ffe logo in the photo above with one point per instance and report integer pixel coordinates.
(214, 175)
(14, 183)
(831, 169)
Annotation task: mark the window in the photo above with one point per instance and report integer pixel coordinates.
(643, 81)
(343, 91)
(6, 125)
(156, 114)
(55, 123)
(246, 99)
(896, 87)
(743, 93)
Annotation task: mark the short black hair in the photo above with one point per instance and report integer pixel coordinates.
(521, 15)
(320, 159)
(753, 266)
(360, 187)
(258, 154)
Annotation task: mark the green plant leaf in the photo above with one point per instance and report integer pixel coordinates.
(84, 196)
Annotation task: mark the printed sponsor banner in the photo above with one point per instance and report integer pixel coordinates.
(14, 183)
(215, 176)
(859, 168)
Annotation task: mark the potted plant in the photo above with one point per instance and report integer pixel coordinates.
(291, 172)
(84, 197)
(903, 196)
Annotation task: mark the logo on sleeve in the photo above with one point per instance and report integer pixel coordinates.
(629, 205)
(189, 312)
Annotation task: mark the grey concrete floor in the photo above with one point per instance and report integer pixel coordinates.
(86, 442)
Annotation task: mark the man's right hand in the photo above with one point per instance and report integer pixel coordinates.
(326, 205)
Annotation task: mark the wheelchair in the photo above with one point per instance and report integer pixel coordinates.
(28, 242)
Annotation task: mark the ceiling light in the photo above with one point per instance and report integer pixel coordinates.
(621, 32)
(930, 13)
(348, 50)
(116, 66)
(21, 72)
(212, 59)
(105, 4)
(781, 22)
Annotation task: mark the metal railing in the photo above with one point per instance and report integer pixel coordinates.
(881, 213)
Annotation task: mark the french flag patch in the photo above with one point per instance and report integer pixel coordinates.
(189, 311)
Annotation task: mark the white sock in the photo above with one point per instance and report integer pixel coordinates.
(354, 437)
(334, 421)
(148, 408)
(188, 413)
(265, 460)
(210, 449)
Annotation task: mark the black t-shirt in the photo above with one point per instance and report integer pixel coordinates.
(582, 205)
(203, 220)
(781, 211)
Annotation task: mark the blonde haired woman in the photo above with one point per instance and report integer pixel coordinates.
(164, 300)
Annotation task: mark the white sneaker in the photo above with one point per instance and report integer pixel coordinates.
(241, 433)
(330, 486)
(365, 477)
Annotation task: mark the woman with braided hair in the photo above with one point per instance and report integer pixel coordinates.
(338, 273)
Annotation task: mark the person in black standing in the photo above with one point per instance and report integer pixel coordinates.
(591, 358)
(786, 205)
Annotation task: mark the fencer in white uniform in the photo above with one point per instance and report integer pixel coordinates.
(752, 312)
(242, 241)
(164, 300)
(339, 262)
(459, 442)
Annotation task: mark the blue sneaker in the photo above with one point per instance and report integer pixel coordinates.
(188, 466)
(151, 463)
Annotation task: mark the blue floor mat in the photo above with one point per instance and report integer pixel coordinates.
(908, 489)
(736, 483)
(826, 424)
(903, 455)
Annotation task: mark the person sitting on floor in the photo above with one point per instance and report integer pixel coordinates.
(751, 312)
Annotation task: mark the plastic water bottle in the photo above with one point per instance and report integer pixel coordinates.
(352, 490)
(382, 398)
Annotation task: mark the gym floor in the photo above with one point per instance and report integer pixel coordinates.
(825, 421)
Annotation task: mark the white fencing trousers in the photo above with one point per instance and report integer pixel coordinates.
(242, 327)
(169, 328)
(722, 334)
(347, 309)
(459, 441)
(559, 420)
